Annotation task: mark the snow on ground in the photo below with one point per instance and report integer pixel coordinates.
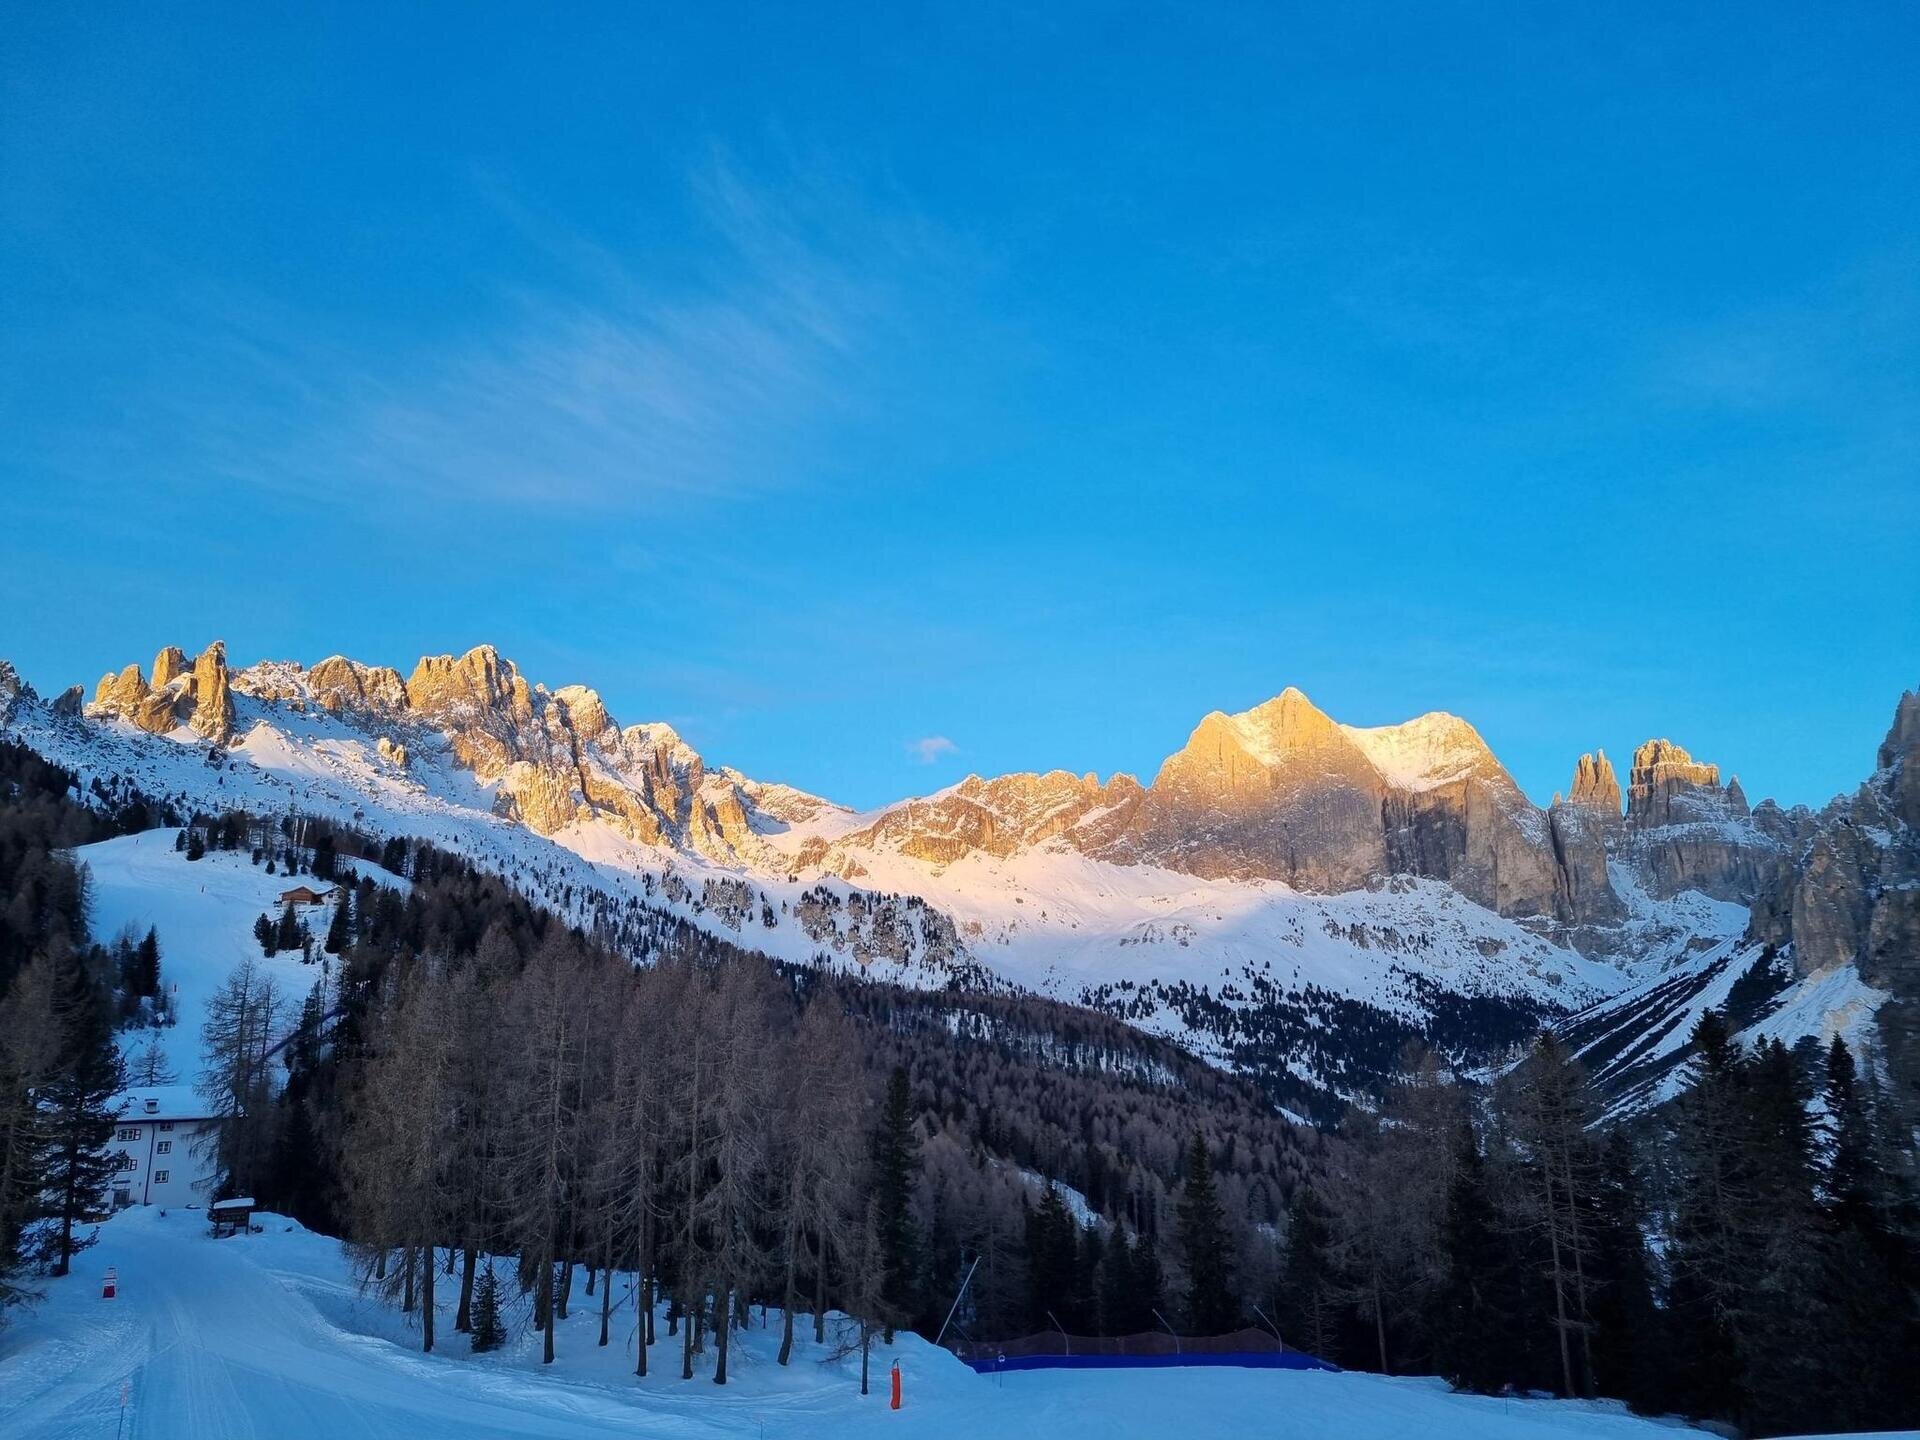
(266, 1336)
(1053, 919)
(203, 911)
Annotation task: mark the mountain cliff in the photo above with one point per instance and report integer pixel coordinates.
(1281, 878)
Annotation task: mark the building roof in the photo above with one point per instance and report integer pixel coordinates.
(170, 1102)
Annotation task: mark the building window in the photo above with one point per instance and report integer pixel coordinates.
(165, 1147)
(128, 1132)
(127, 1164)
(160, 1177)
(166, 1126)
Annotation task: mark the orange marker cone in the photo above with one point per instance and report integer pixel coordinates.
(112, 1284)
(896, 1385)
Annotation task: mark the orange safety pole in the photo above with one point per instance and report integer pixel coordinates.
(896, 1385)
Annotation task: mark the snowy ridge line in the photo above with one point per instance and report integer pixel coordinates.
(1049, 919)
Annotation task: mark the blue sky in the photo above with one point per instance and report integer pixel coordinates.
(833, 382)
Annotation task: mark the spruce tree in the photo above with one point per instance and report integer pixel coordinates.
(896, 1165)
(488, 1333)
(266, 933)
(76, 1103)
(1212, 1308)
(1051, 1255)
(340, 927)
(1629, 1356)
(1475, 1314)
(146, 965)
(1307, 1307)
(288, 936)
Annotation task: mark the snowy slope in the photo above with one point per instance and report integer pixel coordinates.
(264, 1335)
(204, 912)
(1636, 1044)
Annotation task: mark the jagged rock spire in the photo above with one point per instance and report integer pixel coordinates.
(1595, 785)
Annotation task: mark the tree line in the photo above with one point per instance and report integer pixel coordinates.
(62, 996)
(1746, 1255)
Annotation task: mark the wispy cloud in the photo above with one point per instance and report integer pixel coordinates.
(930, 748)
(606, 375)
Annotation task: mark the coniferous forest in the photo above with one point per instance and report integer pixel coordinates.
(490, 1106)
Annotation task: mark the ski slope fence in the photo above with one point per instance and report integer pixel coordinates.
(1149, 1350)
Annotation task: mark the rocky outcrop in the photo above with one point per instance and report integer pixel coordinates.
(554, 758)
(1595, 787)
(1850, 894)
(1279, 791)
(1686, 831)
(340, 684)
(998, 817)
(1663, 773)
(14, 692)
(194, 693)
(70, 702)
(211, 696)
(1900, 759)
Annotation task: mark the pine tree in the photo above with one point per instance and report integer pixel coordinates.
(29, 1055)
(1307, 1305)
(1051, 1256)
(146, 965)
(196, 847)
(488, 1333)
(896, 1164)
(1475, 1315)
(289, 934)
(266, 933)
(1628, 1349)
(1212, 1307)
(340, 927)
(1117, 1303)
(77, 1103)
(1871, 1277)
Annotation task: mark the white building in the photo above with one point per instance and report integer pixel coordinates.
(160, 1137)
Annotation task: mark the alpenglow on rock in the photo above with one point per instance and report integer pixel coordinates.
(1277, 793)
(194, 693)
(1595, 785)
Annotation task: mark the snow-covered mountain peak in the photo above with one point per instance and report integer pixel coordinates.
(1428, 751)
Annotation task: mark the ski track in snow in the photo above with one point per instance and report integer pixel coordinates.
(265, 1336)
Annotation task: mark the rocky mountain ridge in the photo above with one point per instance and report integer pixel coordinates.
(1281, 878)
(1280, 792)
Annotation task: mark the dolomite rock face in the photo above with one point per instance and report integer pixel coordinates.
(1662, 772)
(1452, 812)
(169, 665)
(339, 684)
(1851, 893)
(211, 695)
(1595, 786)
(1688, 832)
(554, 758)
(999, 817)
(1587, 901)
(13, 691)
(70, 702)
(1278, 791)
(1898, 758)
(187, 692)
